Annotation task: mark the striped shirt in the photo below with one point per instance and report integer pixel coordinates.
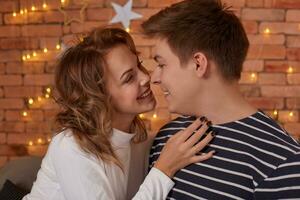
(255, 159)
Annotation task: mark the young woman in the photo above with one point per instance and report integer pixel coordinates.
(102, 86)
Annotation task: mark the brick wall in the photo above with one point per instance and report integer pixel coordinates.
(270, 81)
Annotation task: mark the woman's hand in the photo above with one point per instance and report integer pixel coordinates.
(184, 147)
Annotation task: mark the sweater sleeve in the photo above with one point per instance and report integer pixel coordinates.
(283, 183)
(156, 185)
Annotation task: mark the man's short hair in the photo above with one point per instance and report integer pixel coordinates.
(202, 25)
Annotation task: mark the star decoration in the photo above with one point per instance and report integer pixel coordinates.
(124, 14)
(68, 20)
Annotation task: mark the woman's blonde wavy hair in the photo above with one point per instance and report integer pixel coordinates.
(82, 95)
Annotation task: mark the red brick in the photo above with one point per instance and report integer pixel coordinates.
(272, 79)
(246, 78)
(10, 79)
(293, 79)
(50, 104)
(39, 80)
(266, 103)
(24, 138)
(50, 42)
(283, 116)
(292, 15)
(266, 52)
(52, 16)
(263, 14)
(12, 126)
(281, 66)
(8, 6)
(1, 20)
(249, 90)
(137, 3)
(293, 41)
(25, 68)
(13, 150)
(294, 4)
(1, 115)
(235, 3)
(293, 129)
(38, 127)
(2, 138)
(87, 26)
(293, 54)
(104, 14)
(2, 68)
(253, 66)
(18, 43)
(266, 39)
(280, 27)
(42, 30)
(23, 91)
(293, 103)
(50, 114)
(10, 55)
(33, 115)
(280, 91)
(10, 31)
(11, 103)
(1, 92)
(255, 3)
(251, 27)
(36, 17)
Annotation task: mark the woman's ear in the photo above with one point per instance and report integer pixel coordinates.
(201, 64)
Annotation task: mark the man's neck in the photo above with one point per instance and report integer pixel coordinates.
(223, 105)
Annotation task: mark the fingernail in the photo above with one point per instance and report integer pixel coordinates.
(209, 123)
(213, 134)
(202, 119)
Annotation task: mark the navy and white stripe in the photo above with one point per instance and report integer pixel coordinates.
(255, 159)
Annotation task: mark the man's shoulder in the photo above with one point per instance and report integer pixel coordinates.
(175, 125)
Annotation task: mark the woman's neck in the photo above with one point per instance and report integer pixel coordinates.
(122, 123)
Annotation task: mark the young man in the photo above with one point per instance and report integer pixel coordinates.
(200, 49)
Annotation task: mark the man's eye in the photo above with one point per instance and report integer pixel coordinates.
(161, 65)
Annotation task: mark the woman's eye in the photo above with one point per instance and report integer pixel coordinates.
(128, 79)
(161, 65)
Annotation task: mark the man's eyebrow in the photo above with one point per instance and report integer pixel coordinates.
(126, 72)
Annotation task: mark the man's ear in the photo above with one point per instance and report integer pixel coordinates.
(201, 64)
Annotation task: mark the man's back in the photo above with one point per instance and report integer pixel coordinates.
(255, 159)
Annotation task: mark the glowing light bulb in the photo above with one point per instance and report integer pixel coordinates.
(44, 5)
(47, 96)
(154, 116)
(48, 90)
(33, 8)
(290, 69)
(28, 56)
(267, 31)
(128, 30)
(291, 114)
(45, 50)
(23, 57)
(275, 112)
(14, 14)
(25, 114)
(40, 141)
(39, 98)
(21, 12)
(34, 54)
(30, 101)
(30, 143)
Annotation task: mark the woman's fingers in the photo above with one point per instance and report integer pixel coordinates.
(203, 143)
(186, 133)
(202, 157)
(197, 135)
